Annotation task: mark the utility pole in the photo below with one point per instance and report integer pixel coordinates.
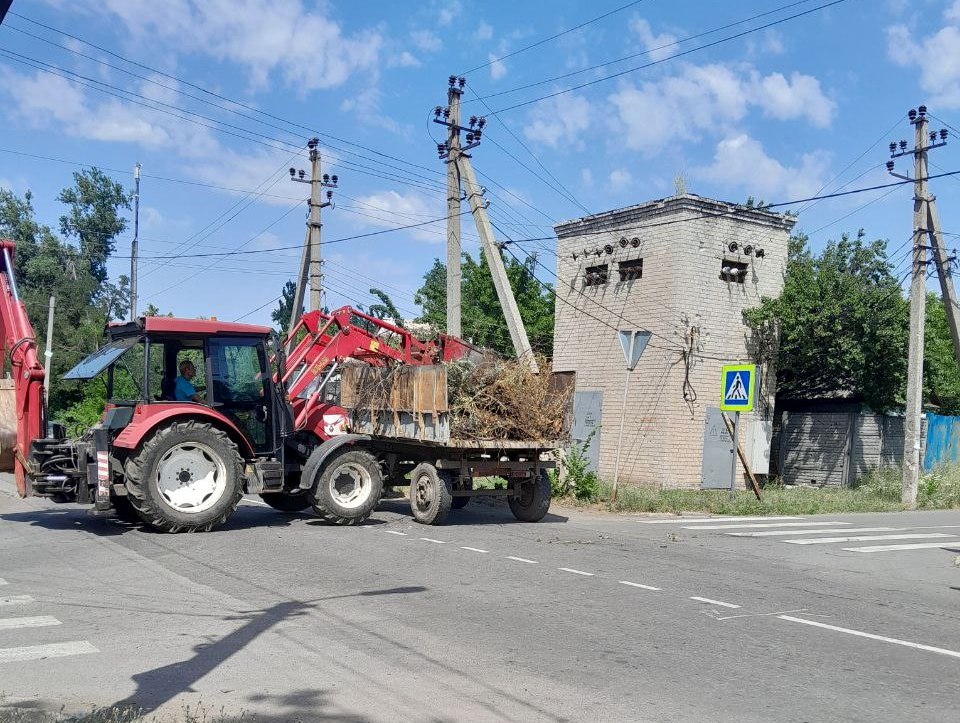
(478, 208)
(310, 261)
(136, 241)
(454, 275)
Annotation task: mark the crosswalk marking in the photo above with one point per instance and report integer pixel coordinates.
(42, 652)
(908, 546)
(775, 533)
(766, 524)
(865, 538)
(15, 600)
(37, 621)
(686, 520)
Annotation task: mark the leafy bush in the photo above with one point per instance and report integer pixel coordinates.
(572, 477)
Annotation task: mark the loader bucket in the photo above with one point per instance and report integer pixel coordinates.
(8, 424)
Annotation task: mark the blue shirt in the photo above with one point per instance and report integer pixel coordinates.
(183, 390)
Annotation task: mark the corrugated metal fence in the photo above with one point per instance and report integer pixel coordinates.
(943, 441)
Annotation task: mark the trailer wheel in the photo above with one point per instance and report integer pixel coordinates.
(533, 502)
(430, 498)
(185, 478)
(286, 502)
(348, 487)
(460, 502)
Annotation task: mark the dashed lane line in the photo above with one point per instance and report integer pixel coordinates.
(38, 621)
(766, 524)
(475, 549)
(2, 581)
(522, 559)
(871, 636)
(908, 546)
(42, 652)
(575, 572)
(714, 602)
(819, 531)
(436, 542)
(395, 532)
(637, 584)
(15, 600)
(867, 538)
(683, 520)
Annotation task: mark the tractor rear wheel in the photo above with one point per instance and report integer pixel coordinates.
(348, 487)
(125, 511)
(533, 502)
(186, 477)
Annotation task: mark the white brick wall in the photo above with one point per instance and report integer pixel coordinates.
(683, 241)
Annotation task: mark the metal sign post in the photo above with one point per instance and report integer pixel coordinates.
(737, 390)
(633, 342)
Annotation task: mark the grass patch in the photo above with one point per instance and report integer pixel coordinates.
(876, 491)
(116, 714)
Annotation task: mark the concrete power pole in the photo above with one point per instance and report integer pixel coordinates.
(478, 207)
(454, 276)
(135, 243)
(310, 261)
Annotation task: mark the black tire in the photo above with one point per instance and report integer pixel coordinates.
(286, 502)
(207, 446)
(533, 503)
(332, 499)
(460, 502)
(124, 510)
(430, 494)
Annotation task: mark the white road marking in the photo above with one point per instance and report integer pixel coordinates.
(436, 542)
(760, 615)
(39, 621)
(255, 502)
(394, 532)
(866, 538)
(861, 634)
(2, 581)
(911, 546)
(522, 559)
(575, 572)
(15, 600)
(770, 524)
(42, 652)
(714, 602)
(475, 549)
(774, 533)
(637, 584)
(685, 520)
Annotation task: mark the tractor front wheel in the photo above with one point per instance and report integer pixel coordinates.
(186, 477)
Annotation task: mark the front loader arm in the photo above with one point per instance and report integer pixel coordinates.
(19, 339)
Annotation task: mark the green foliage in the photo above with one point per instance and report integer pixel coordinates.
(385, 309)
(73, 269)
(572, 476)
(841, 324)
(940, 370)
(482, 317)
(281, 315)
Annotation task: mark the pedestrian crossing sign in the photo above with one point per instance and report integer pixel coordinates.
(737, 392)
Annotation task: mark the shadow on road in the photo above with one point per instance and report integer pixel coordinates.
(480, 511)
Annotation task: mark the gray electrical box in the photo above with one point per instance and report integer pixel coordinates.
(718, 452)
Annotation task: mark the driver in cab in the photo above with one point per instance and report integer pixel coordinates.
(183, 389)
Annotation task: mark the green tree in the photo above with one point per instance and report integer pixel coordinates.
(940, 370)
(385, 309)
(482, 317)
(281, 315)
(840, 323)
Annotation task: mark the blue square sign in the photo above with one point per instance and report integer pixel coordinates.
(737, 390)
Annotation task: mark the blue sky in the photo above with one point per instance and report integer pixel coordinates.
(777, 114)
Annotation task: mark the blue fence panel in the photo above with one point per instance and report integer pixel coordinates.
(943, 441)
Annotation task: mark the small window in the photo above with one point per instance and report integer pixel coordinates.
(596, 275)
(733, 271)
(630, 270)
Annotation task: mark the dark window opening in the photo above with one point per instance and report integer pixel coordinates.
(630, 270)
(596, 275)
(733, 271)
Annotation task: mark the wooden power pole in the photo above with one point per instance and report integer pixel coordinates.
(458, 157)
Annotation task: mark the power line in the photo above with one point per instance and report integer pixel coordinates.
(664, 60)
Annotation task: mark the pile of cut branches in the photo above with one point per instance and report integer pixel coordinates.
(503, 399)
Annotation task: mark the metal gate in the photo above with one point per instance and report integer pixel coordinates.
(587, 414)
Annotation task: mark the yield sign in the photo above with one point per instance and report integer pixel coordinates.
(633, 342)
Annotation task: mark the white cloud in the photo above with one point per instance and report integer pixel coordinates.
(773, 43)
(448, 11)
(366, 107)
(247, 171)
(388, 209)
(586, 177)
(558, 120)
(497, 67)
(653, 44)
(741, 162)
(425, 40)
(484, 31)
(708, 98)
(403, 60)
(306, 49)
(619, 179)
(936, 56)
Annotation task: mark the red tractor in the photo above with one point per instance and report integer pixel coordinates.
(268, 422)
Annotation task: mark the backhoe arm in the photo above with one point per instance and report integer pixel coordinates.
(19, 429)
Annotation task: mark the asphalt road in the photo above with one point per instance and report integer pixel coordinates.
(582, 617)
